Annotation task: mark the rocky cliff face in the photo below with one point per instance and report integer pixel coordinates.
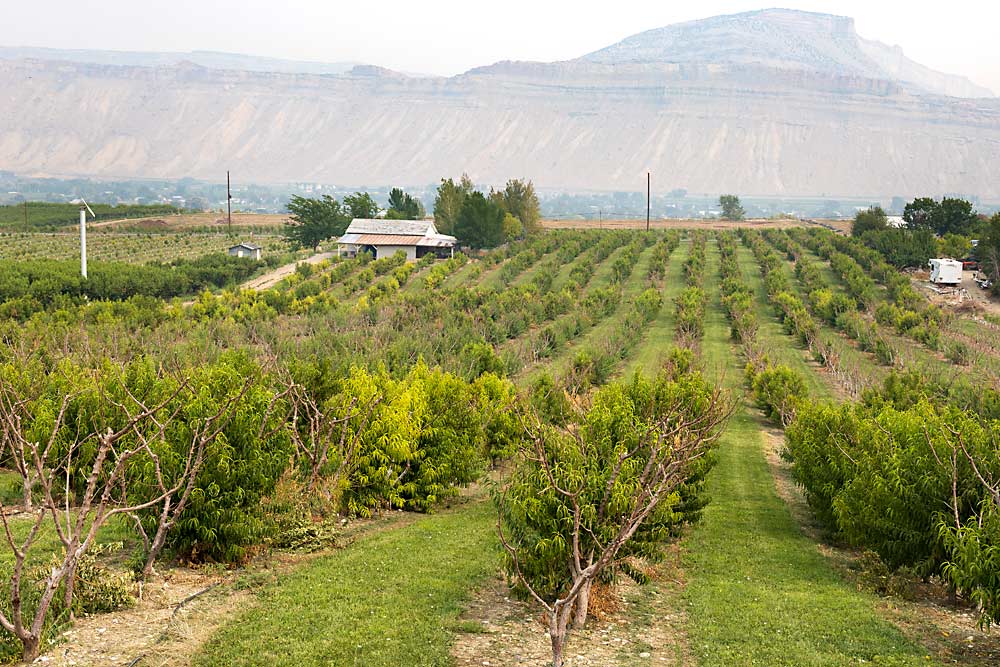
(709, 122)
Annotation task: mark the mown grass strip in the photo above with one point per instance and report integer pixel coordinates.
(389, 599)
(759, 591)
(659, 334)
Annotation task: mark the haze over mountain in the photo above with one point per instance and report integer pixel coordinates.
(775, 102)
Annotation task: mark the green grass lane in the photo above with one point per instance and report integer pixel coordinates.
(659, 335)
(782, 347)
(759, 591)
(389, 599)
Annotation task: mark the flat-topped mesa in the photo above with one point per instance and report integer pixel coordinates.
(783, 39)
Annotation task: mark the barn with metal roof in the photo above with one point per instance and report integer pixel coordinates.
(384, 238)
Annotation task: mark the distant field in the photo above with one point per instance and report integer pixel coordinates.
(133, 248)
(38, 216)
(841, 225)
(195, 220)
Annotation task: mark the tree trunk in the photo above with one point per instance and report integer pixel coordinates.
(558, 640)
(27, 493)
(582, 603)
(70, 586)
(31, 649)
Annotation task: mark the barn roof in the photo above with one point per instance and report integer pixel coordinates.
(395, 232)
(395, 227)
(248, 246)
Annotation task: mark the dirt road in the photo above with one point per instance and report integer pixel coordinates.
(272, 278)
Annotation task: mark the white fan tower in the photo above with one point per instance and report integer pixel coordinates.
(84, 208)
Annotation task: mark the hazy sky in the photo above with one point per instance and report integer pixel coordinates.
(451, 36)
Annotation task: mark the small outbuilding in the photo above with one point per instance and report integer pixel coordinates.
(384, 238)
(248, 250)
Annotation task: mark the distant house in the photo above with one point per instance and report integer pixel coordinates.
(248, 250)
(384, 238)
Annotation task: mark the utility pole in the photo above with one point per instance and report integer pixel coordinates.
(229, 204)
(83, 240)
(648, 190)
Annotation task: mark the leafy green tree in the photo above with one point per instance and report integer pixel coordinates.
(361, 205)
(920, 213)
(404, 207)
(512, 227)
(903, 247)
(873, 219)
(314, 220)
(585, 501)
(519, 199)
(953, 245)
(480, 222)
(988, 252)
(955, 216)
(731, 207)
(949, 216)
(448, 202)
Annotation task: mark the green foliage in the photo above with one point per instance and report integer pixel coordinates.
(480, 222)
(949, 216)
(731, 207)
(603, 466)
(518, 198)
(954, 245)
(241, 467)
(361, 205)
(449, 201)
(872, 220)
(313, 221)
(909, 479)
(903, 248)
(403, 206)
(39, 283)
(779, 391)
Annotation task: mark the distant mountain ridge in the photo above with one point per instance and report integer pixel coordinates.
(208, 59)
(766, 103)
(783, 39)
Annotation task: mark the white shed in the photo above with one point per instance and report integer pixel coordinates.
(946, 271)
(384, 238)
(245, 250)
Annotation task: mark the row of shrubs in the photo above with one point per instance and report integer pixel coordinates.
(911, 476)
(837, 309)
(905, 310)
(28, 287)
(689, 305)
(776, 389)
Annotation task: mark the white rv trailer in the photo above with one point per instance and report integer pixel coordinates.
(946, 271)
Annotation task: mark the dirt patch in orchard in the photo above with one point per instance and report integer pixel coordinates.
(632, 625)
(155, 631)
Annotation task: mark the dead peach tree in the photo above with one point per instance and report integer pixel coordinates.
(325, 430)
(74, 512)
(586, 500)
